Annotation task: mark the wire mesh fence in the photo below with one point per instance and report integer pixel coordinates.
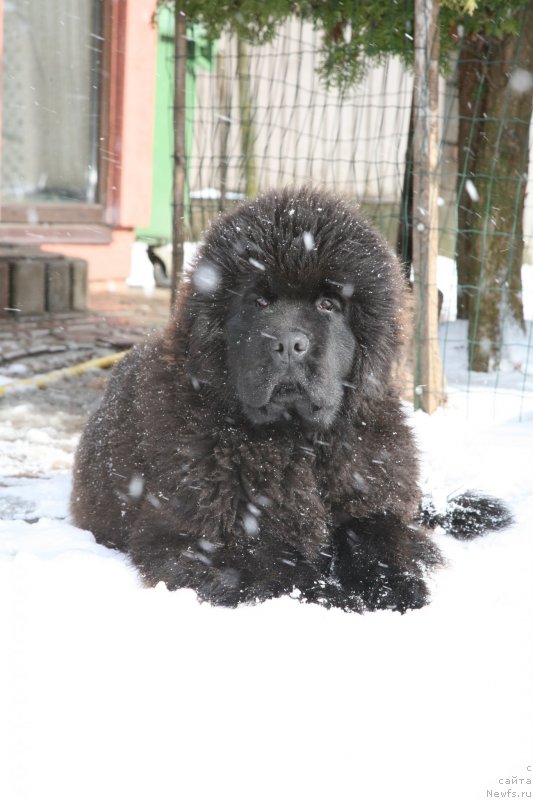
(262, 116)
(297, 129)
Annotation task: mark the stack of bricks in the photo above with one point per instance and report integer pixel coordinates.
(36, 282)
(118, 318)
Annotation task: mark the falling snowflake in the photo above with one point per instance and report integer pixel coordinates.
(136, 486)
(472, 191)
(521, 81)
(206, 277)
(309, 240)
(250, 525)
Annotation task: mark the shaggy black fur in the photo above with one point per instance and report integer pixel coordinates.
(468, 515)
(258, 447)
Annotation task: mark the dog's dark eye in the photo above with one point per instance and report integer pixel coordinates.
(327, 304)
(261, 302)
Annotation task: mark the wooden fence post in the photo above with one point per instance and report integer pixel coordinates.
(429, 381)
(178, 194)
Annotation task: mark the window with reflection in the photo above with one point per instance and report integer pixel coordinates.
(52, 66)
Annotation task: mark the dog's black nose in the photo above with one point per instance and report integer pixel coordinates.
(291, 346)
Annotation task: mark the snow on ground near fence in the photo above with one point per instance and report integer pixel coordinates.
(447, 283)
(110, 691)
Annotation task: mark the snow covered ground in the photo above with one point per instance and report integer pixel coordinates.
(112, 691)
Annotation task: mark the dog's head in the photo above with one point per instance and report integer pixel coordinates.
(294, 308)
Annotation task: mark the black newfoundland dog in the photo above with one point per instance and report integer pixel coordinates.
(257, 447)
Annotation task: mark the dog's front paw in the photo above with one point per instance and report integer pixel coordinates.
(384, 563)
(396, 591)
(330, 594)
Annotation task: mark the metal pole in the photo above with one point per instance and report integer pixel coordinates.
(429, 381)
(178, 195)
